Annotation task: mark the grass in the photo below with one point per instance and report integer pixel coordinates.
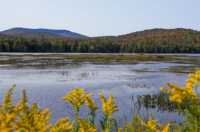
(106, 57)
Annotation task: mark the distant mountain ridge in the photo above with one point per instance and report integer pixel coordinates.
(178, 40)
(30, 33)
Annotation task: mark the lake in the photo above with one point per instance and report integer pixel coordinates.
(33, 53)
(48, 79)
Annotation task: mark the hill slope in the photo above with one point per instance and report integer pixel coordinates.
(160, 33)
(148, 41)
(35, 35)
(26, 32)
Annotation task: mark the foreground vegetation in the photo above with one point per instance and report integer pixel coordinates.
(149, 41)
(23, 118)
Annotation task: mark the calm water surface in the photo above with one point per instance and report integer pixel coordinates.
(47, 80)
(21, 53)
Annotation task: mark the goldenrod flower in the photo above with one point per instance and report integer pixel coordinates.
(63, 125)
(84, 127)
(164, 129)
(129, 127)
(179, 93)
(109, 107)
(90, 103)
(8, 113)
(31, 119)
(120, 129)
(151, 126)
(134, 125)
(76, 97)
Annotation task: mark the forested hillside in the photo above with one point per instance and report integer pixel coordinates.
(148, 41)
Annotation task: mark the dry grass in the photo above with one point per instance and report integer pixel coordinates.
(108, 57)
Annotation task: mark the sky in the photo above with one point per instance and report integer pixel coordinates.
(100, 17)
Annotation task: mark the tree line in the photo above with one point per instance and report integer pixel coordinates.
(148, 41)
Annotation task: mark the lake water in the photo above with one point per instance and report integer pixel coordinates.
(21, 53)
(48, 79)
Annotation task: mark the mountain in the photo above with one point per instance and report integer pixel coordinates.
(155, 33)
(35, 33)
(159, 33)
(177, 40)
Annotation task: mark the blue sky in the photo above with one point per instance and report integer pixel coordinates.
(100, 17)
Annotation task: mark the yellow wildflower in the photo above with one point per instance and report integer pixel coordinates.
(129, 127)
(120, 129)
(109, 107)
(152, 125)
(84, 127)
(196, 76)
(63, 125)
(8, 113)
(179, 93)
(134, 125)
(31, 119)
(76, 97)
(164, 129)
(90, 103)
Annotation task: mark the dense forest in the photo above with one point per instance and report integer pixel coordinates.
(148, 41)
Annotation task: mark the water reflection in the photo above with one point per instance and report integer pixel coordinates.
(47, 79)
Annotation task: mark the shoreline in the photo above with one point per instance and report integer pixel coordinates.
(107, 57)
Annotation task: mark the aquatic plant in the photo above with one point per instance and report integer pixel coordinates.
(160, 101)
(139, 86)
